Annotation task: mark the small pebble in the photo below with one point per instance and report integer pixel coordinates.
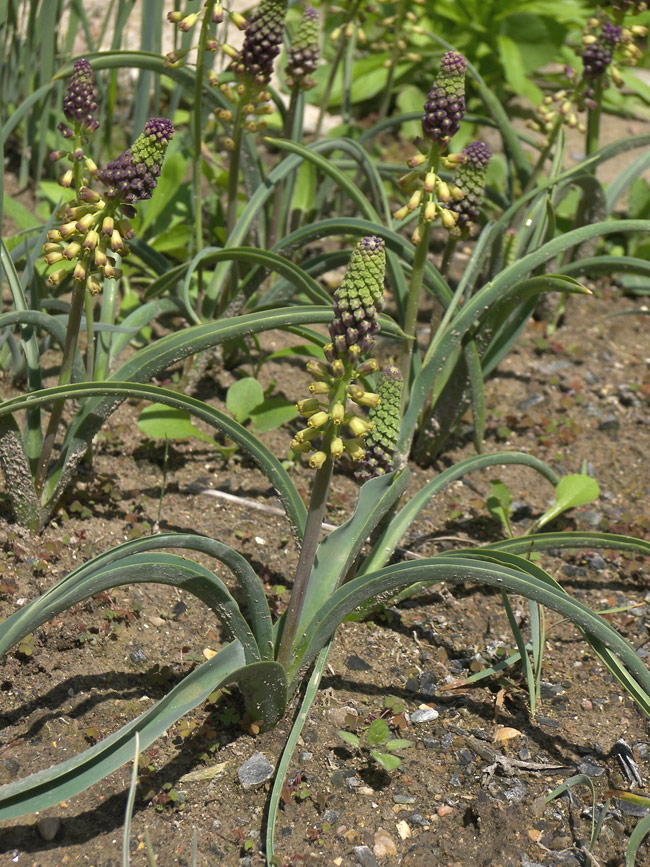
(255, 771)
(444, 810)
(138, 656)
(422, 716)
(590, 769)
(585, 704)
(48, 827)
(365, 857)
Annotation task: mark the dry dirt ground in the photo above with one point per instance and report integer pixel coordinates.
(583, 394)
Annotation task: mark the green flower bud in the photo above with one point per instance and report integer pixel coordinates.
(386, 417)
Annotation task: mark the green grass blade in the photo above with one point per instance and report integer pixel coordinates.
(289, 747)
(637, 837)
(130, 801)
(267, 462)
(138, 568)
(523, 653)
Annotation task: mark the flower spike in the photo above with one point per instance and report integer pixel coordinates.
(445, 105)
(133, 175)
(386, 416)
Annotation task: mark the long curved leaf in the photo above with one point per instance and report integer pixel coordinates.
(68, 778)
(267, 462)
(460, 569)
(574, 539)
(386, 544)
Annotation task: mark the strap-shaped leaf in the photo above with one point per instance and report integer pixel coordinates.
(574, 539)
(456, 569)
(68, 778)
(134, 568)
(52, 325)
(338, 551)
(120, 391)
(385, 545)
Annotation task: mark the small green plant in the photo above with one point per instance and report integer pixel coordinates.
(373, 739)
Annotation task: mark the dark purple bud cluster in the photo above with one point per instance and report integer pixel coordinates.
(358, 300)
(627, 7)
(445, 105)
(470, 178)
(133, 175)
(80, 100)
(303, 53)
(386, 420)
(262, 42)
(598, 55)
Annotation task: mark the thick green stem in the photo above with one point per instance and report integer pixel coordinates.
(197, 126)
(539, 165)
(279, 215)
(334, 69)
(415, 287)
(311, 538)
(90, 337)
(230, 289)
(65, 375)
(592, 138)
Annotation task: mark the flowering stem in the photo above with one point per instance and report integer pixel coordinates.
(415, 287)
(539, 165)
(233, 194)
(283, 191)
(65, 375)
(196, 126)
(90, 337)
(315, 517)
(334, 69)
(593, 119)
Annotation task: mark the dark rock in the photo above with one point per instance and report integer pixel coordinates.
(609, 424)
(287, 831)
(331, 817)
(430, 743)
(548, 690)
(466, 756)
(447, 740)
(428, 683)
(572, 571)
(417, 820)
(548, 722)
(590, 769)
(355, 663)
(138, 656)
(255, 771)
(365, 857)
(11, 765)
(596, 562)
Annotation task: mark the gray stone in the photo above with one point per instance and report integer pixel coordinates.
(48, 827)
(596, 562)
(403, 799)
(422, 716)
(417, 820)
(365, 857)
(590, 769)
(428, 683)
(572, 571)
(255, 771)
(609, 424)
(330, 816)
(531, 400)
(138, 656)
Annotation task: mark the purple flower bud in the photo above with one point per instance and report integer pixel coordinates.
(303, 52)
(262, 42)
(80, 100)
(133, 175)
(597, 56)
(445, 105)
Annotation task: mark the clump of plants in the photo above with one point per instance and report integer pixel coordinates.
(252, 265)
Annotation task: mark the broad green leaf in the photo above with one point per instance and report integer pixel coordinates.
(397, 744)
(243, 396)
(23, 217)
(164, 422)
(388, 762)
(349, 738)
(273, 412)
(571, 491)
(499, 502)
(338, 551)
(377, 732)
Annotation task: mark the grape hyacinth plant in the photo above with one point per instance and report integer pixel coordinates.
(406, 290)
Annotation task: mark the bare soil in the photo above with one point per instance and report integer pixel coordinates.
(582, 394)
